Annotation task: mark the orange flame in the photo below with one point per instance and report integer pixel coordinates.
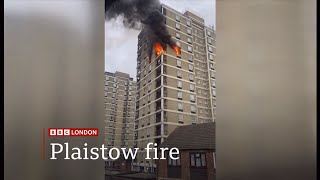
(159, 49)
(177, 50)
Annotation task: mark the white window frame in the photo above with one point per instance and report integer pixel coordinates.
(178, 43)
(178, 18)
(179, 74)
(192, 98)
(192, 87)
(178, 26)
(188, 23)
(179, 84)
(179, 63)
(211, 57)
(191, 77)
(179, 95)
(190, 48)
(192, 108)
(209, 40)
(191, 67)
(180, 106)
(180, 117)
(189, 31)
(178, 35)
(189, 40)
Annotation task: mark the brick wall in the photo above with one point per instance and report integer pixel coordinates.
(185, 166)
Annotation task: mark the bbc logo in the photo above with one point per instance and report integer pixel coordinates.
(73, 132)
(59, 132)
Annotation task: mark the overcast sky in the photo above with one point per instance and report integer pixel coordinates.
(121, 43)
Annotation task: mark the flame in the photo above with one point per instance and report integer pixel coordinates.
(177, 50)
(159, 49)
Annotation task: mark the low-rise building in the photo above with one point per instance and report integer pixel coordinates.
(196, 144)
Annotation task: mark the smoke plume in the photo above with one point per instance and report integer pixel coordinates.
(141, 14)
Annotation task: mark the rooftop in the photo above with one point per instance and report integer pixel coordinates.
(192, 137)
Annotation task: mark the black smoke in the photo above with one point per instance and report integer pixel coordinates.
(141, 14)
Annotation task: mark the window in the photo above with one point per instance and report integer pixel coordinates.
(114, 90)
(179, 63)
(189, 40)
(211, 57)
(178, 35)
(188, 31)
(179, 95)
(198, 160)
(150, 68)
(177, 26)
(179, 84)
(213, 92)
(193, 119)
(190, 67)
(164, 10)
(211, 65)
(178, 18)
(188, 23)
(210, 49)
(174, 162)
(190, 58)
(107, 78)
(192, 87)
(114, 85)
(130, 83)
(209, 33)
(193, 109)
(190, 48)
(192, 99)
(178, 44)
(209, 40)
(213, 75)
(180, 118)
(179, 74)
(180, 106)
(213, 83)
(191, 77)
(115, 80)
(149, 98)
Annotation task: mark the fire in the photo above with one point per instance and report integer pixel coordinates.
(177, 50)
(159, 49)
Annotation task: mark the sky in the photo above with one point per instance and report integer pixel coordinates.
(121, 43)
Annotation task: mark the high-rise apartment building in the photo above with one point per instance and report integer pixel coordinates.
(120, 93)
(174, 89)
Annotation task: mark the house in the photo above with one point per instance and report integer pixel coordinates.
(196, 144)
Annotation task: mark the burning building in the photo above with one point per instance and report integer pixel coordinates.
(175, 78)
